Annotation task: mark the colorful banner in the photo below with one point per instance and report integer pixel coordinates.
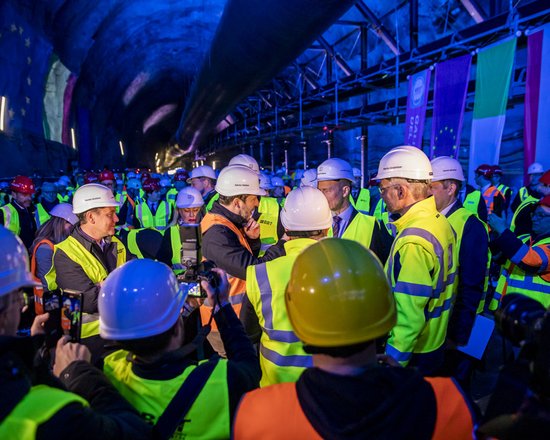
(494, 70)
(451, 86)
(536, 134)
(419, 86)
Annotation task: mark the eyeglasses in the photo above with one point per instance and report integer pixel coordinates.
(385, 188)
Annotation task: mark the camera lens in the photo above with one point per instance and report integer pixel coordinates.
(518, 316)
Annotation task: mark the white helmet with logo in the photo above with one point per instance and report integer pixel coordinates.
(535, 168)
(445, 167)
(238, 180)
(64, 211)
(189, 197)
(335, 169)
(202, 171)
(245, 160)
(93, 195)
(306, 209)
(309, 178)
(406, 162)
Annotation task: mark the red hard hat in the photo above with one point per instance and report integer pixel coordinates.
(106, 175)
(91, 177)
(151, 185)
(23, 185)
(497, 170)
(485, 170)
(545, 201)
(545, 178)
(145, 175)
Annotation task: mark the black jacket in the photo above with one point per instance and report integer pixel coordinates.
(108, 417)
(222, 246)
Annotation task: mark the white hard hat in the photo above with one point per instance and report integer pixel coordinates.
(335, 169)
(306, 209)
(406, 162)
(535, 168)
(246, 160)
(165, 182)
(133, 184)
(131, 175)
(202, 171)
(265, 181)
(93, 195)
(14, 264)
(277, 181)
(309, 178)
(445, 167)
(189, 197)
(139, 299)
(237, 180)
(357, 172)
(64, 211)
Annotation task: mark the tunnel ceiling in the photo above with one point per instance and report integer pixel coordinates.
(165, 76)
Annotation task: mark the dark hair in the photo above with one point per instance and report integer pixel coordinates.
(338, 352)
(304, 234)
(226, 200)
(82, 216)
(53, 230)
(150, 345)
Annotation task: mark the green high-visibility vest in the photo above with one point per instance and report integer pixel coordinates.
(472, 201)
(38, 406)
(360, 229)
(209, 414)
(211, 202)
(269, 216)
(159, 220)
(11, 218)
(363, 201)
(41, 216)
(529, 200)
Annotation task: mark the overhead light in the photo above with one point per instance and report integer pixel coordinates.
(121, 147)
(2, 112)
(213, 164)
(73, 138)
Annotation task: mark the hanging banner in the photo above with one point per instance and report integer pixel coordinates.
(417, 99)
(494, 70)
(451, 86)
(536, 134)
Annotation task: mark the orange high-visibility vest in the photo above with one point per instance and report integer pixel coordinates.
(489, 196)
(237, 287)
(275, 412)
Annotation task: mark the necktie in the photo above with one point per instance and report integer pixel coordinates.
(336, 225)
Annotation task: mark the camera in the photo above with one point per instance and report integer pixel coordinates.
(193, 276)
(519, 319)
(65, 310)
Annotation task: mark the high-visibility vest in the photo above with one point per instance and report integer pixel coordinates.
(514, 280)
(503, 189)
(472, 201)
(120, 198)
(208, 417)
(275, 412)
(159, 220)
(363, 201)
(11, 218)
(523, 193)
(214, 198)
(458, 221)
(63, 199)
(171, 196)
(424, 290)
(380, 212)
(489, 196)
(131, 241)
(41, 216)
(360, 229)
(237, 287)
(269, 217)
(93, 270)
(282, 357)
(37, 407)
(529, 200)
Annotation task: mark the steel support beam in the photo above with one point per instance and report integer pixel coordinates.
(475, 11)
(378, 28)
(413, 23)
(336, 57)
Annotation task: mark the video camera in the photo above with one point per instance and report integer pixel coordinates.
(195, 269)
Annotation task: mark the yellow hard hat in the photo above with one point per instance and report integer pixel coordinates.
(338, 295)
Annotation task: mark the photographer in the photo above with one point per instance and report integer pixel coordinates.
(32, 403)
(140, 308)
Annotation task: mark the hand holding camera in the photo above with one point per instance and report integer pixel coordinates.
(216, 287)
(67, 352)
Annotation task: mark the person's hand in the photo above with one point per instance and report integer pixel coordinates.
(68, 352)
(252, 229)
(386, 359)
(222, 289)
(37, 327)
(497, 224)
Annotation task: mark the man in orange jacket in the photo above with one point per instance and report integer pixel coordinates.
(339, 302)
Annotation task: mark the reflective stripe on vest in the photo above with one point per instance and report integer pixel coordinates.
(424, 296)
(360, 229)
(458, 221)
(131, 241)
(363, 201)
(237, 287)
(282, 357)
(529, 200)
(38, 406)
(489, 196)
(269, 216)
(172, 195)
(11, 218)
(209, 414)
(41, 216)
(503, 188)
(159, 220)
(472, 201)
(523, 193)
(63, 199)
(530, 285)
(121, 199)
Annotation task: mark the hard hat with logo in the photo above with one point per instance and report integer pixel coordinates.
(306, 209)
(93, 195)
(445, 167)
(265, 181)
(236, 180)
(64, 211)
(309, 178)
(142, 298)
(277, 181)
(189, 197)
(485, 170)
(91, 177)
(535, 168)
(23, 185)
(246, 160)
(338, 295)
(150, 185)
(202, 171)
(406, 162)
(335, 169)
(14, 264)
(106, 175)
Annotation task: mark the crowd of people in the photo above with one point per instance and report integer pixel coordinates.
(249, 304)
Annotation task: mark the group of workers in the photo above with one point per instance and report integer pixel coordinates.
(325, 311)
